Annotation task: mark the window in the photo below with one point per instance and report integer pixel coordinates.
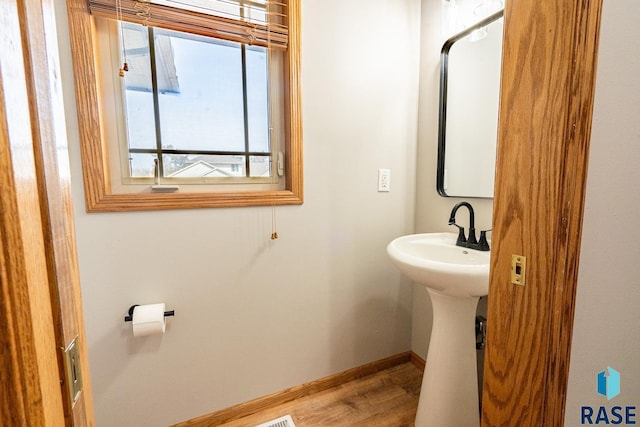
(210, 102)
(189, 109)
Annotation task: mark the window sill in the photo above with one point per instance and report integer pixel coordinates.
(162, 201)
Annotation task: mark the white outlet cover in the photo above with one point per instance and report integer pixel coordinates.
(384, 180)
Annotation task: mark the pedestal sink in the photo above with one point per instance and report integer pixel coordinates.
(455, 279)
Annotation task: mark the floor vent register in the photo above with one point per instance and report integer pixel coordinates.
(285, 421)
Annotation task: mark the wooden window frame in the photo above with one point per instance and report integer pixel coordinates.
(99, 196)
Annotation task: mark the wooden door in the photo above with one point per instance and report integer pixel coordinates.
(548, 75)
(41, 311)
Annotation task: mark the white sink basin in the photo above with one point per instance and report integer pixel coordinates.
(434, 260)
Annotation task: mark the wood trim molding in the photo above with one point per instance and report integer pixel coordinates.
(297, 392)
(418, 361)
(547, 90)
(30, 393)
(54, 190)
(573, 190)
(40, 313)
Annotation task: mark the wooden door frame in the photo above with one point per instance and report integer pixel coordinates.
(29, 376)
(547, 92)
(40, 305)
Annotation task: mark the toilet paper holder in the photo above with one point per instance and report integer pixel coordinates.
(129, 318)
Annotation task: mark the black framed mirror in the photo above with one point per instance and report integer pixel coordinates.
(470, 65)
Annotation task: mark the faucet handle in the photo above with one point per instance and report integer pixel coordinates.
(483, 243)
(461, 236)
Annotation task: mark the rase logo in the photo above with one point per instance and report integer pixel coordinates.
(608, 385)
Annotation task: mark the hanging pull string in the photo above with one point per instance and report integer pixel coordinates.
(274, 220)
(125, 65)
(274, 225)
(143, 11)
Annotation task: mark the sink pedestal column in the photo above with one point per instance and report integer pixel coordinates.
(449, 393)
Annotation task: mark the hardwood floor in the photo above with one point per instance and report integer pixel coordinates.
(388, 398)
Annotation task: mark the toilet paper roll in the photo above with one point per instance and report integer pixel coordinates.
(148, 320)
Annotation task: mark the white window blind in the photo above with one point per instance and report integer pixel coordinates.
(254, 22)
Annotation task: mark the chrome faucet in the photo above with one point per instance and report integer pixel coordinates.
(469, 242)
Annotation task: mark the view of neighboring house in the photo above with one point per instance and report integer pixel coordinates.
(220, 167)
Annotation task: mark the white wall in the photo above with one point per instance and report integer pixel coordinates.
(254, 316)
(432, 210)
(607, 316)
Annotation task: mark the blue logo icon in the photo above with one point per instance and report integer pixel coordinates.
(609, 385)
